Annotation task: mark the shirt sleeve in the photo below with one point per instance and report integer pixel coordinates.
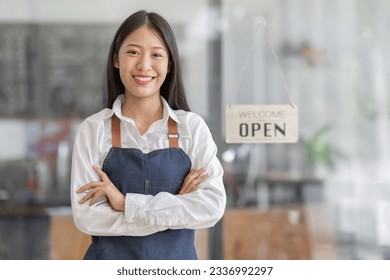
(200, 209)
(99, 219)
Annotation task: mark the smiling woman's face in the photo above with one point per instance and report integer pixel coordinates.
(142, 61)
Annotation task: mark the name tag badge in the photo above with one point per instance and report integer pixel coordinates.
(262, 124)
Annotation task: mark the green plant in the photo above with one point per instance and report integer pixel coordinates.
(320, 151)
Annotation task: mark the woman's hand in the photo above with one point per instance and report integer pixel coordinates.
(193, 180)
(106, 188)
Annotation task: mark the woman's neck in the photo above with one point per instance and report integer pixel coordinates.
(144, 111)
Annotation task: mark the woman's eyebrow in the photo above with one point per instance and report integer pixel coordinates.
(133, 45)
(139, 46)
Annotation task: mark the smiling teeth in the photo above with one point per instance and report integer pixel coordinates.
(143, 79)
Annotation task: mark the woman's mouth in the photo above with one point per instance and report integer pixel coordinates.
(143, 79)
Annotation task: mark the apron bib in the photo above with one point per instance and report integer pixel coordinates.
(133, 171)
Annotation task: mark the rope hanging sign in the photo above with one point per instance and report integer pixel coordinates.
(262, 123)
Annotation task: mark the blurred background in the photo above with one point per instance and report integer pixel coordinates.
(325, 197)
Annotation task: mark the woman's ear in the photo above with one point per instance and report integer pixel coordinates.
(116, 61)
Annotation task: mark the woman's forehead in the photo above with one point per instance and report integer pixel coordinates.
(144, 36)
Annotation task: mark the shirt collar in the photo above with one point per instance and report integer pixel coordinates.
(117, 106)
(168, 111)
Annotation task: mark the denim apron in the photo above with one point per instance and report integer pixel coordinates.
(132, 171)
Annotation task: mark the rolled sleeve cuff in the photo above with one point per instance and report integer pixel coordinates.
(134, 204)
(136, 211)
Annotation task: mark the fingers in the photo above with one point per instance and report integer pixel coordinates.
(192, 181)
(193, 185)
(91, 196)
(91, 191)
(95, 196)
(94, 190)
(87, 197)
(101, 173)
(88, 187)
(193, 174)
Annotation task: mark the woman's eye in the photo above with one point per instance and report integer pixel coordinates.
(157, 55)
(132, 52)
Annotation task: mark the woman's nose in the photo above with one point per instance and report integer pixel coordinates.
(144, 63)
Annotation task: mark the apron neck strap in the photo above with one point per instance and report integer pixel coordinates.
(173, 135)
(116, 131)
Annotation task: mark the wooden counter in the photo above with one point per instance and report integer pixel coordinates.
(66, 241)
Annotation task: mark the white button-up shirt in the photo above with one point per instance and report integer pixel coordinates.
(146, 214)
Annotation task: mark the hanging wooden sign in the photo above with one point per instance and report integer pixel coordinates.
(261, 124)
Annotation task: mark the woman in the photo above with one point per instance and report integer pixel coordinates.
(144, 170)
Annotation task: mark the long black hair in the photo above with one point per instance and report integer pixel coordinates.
(172, 89)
